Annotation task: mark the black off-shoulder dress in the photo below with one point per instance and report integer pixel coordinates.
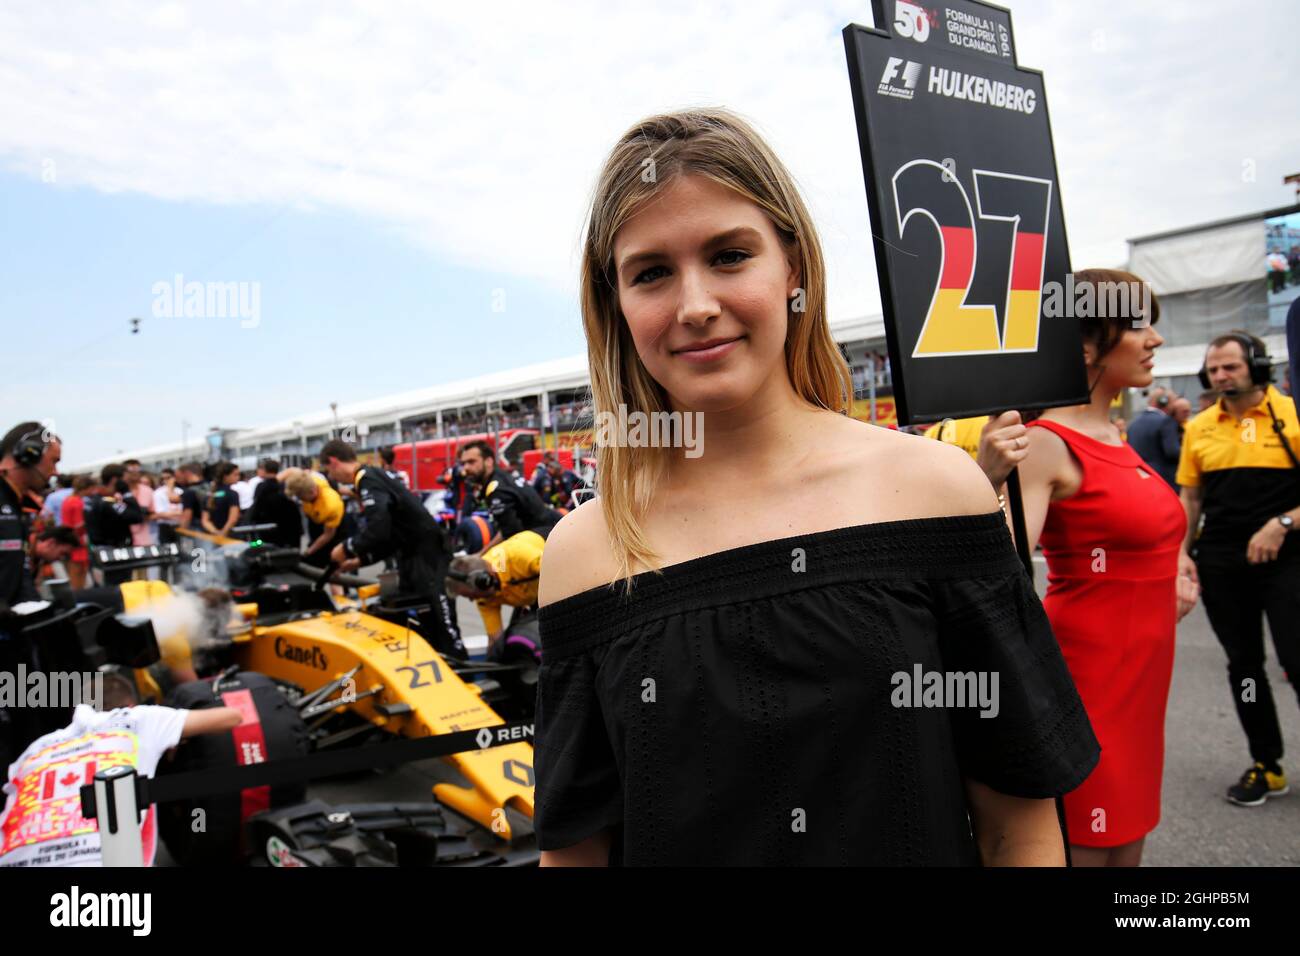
(747, 708)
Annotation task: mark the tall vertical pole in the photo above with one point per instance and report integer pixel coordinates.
(871, 387)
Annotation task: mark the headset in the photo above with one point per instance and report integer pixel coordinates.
(1261, 373)
(478, 580)
(30, 447)
(1257, 360)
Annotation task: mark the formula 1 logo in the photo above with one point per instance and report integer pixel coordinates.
(906, 79)
(913, 21)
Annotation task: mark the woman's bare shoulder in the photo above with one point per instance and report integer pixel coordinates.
(577, 556)
(925, 477)
(1046, 439)
(1050, 462)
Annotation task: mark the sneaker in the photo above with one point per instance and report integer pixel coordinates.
(1256, 785)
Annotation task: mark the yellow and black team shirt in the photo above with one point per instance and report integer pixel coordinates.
(327, 510)
(1244, 474)
(517, 561)
(962, 432)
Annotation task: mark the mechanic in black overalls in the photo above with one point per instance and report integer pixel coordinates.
(556, 484)
(110, 512)
(513, 503)
(459, 495)
(29, 457)
(272, 506)
(397, 524)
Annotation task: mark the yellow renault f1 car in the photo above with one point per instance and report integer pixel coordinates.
(316, 671)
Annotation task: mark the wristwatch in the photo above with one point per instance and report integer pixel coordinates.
(1287, 521)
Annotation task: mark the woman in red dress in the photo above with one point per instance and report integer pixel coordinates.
(1110, 528)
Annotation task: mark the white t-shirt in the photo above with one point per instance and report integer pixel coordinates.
(42, 823)
(245, 489)
(164, 504)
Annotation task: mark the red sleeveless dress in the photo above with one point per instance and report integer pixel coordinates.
(1112, 566)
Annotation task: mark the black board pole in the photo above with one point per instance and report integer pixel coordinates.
(1017, 503)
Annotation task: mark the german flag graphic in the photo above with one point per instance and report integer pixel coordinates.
(1024, 202)
(950, 327)
(1025, 298)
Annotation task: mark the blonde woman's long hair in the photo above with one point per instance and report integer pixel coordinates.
(719, 145)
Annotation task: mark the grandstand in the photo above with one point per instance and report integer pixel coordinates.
(552, 397)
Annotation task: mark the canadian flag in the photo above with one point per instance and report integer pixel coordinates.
(63, 782)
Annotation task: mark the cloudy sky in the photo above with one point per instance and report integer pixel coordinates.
(405, 182)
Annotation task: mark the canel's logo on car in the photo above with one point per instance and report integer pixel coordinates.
(312, 656)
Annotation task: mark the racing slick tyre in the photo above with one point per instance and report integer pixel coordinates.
(272, 730)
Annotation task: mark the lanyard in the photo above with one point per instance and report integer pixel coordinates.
(1280, 428)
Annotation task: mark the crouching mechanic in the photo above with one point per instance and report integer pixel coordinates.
(506, 574)
(327, 519)
(41, 824)
(397, 524)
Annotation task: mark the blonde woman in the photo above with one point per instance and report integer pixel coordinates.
(734, 676)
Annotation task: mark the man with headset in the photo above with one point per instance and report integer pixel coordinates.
(29, 457)
(1240, 467)
(506, 574)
